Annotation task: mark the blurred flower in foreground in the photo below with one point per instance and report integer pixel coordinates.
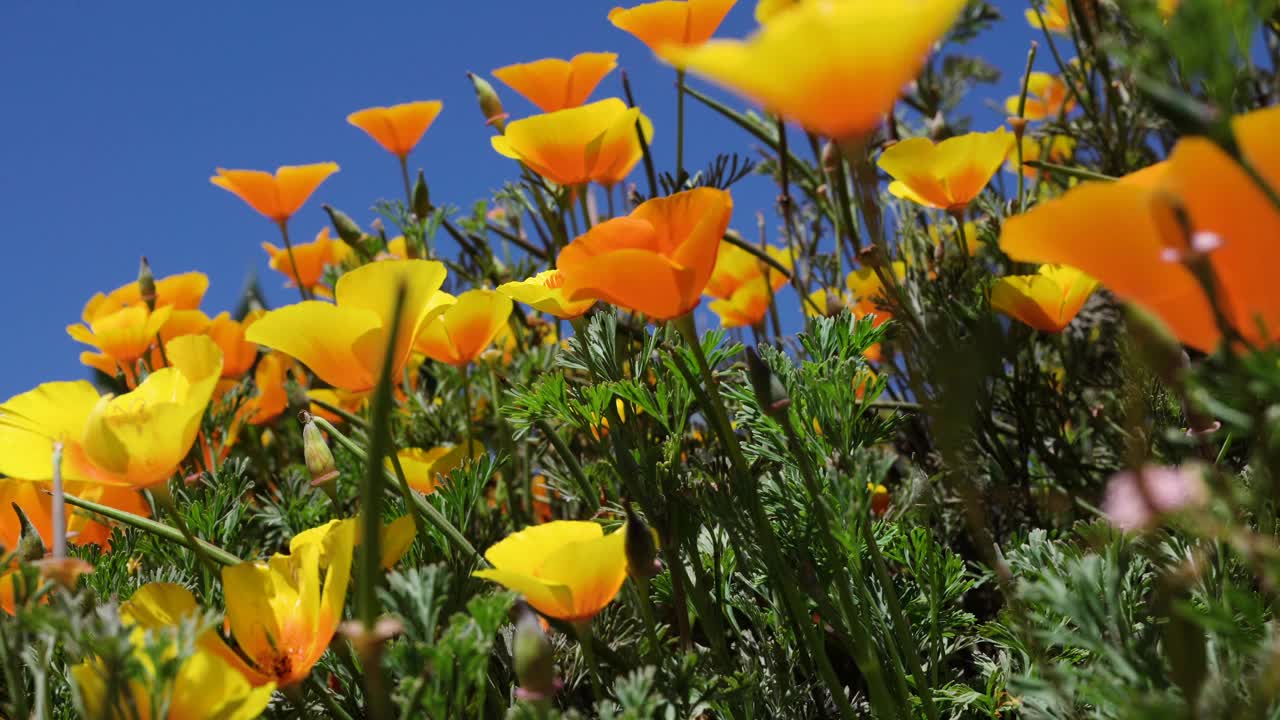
(465, 328)
(136, 439)
(276, 196)
(845, 62)
(545, 292)
(948, 175)
(1056, 14)
(425, 469)
(343, 344)
(283, 612)
(682, 23)
(565, 569)
(1056, 149)
(591, 143)
(1231, 222)
(1137, 500)
(397, 128)
(657, 260)
(312, 258)
(82, 528)
(554, 84)
(1047, 301)
(1047, 98)
(766, 10)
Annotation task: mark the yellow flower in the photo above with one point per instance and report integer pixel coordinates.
(1056, 14)
(657, 260)
(565, 569)
(736, 267)
(466, 327)
(945, 234)
(1056, 149)
(343, 344)
(277, 196)
(397, 128)
(137, 439)
(672, 22)
(834, 67)
(121, 338)
(312, 259)
(554, 84)
(949, 175)
(424, 469)
(181, 292)
(82, 528)
(827, 302)
(1047, 301)
(545, 292)
(1047, 98)
(747, 305)
(767, 10)
(352, 402)
(283, 612)
(394, 539)
(591, 143)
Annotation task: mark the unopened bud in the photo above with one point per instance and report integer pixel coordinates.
(642, 549)
(830, 158)
(346, 227)
(421, 198)
(872, 256)
(769, 391)
(147, 284)
(30, 546)
(1019, 126)
(534, 657)
(490, 105)
(320, 463)
(1156, 345)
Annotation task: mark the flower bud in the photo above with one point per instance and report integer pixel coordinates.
(769, 391)
(490, 105)
(830, 158)
(320, 463)
(147, 284)
(421, 198)
(534, 657)
(346, 227)
(30, 546)
(642, 549)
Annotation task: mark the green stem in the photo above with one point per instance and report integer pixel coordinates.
(567, 457)
(640, 586)
(466, 406)
(293, 264)
(1075, 172)
(679, 129)
(408, 186)
(589, 655)
(155, 528)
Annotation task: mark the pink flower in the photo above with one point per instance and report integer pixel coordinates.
(1136, 501)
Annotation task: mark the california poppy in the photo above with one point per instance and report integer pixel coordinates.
(181, 292)
(672, 22)
(276, 196)
(948, 175)
(554, 84)
(736, 267)
(591, 143)
(394, 539)
(657, 260)
(465, 328)
(845, 62)
(1047, 301)
(424, 469)
(82, 529)
(1056, 17)
(397, 128)
(1056, 149)
(566, 569)
(311, 260)
(121, 338)
(1047, 98)
(545, 292)
(747, 306)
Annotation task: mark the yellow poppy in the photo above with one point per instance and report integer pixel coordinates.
(591, 143)
(1056, 14)
(394, 539)
(948, 175)
(424, 469)
(766, 10)
(845, 62)
(565, 569)
(343, 343)
(284, 611)
(180, 292)
(397, 128)
(82, 528)
(554, 84)
(1047, 98)
(121, 338)
(545, 292)
(827, 302)
(1047, 301)
(465, 328)
(672, 22)
(276, 196)
(312, 258)
(736, 267)
(657, 260)
(1056, 149)
(747, 306)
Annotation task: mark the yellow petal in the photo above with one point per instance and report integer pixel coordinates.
(593, 570)
(339, 345)
(465, 328)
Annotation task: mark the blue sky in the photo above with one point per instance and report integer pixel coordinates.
(118, 113)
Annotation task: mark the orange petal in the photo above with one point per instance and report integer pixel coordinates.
(397, 128)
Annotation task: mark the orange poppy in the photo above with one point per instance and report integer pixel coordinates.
(596, 142)
(276, 196)
(466, 327)
(672, 22)
(554, 84)
(309, 261)
(181, 292)
(1047, 301)
(397, 128)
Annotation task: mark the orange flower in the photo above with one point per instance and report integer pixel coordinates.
(672, 22)
(465, 328)
(237, 353)
(82, 528)
(747, 306)
(736, 267)
(181, 292)
(272, 398)
(277, 196)
(948, 175)
(655, 261)
(545, 292)
(424, 469)
(1047, 301)
(397, 128)
(121, 338)
(1124, 233)
(834, 67)
(1047, 98)
(596, 142)
(312, 258)
(1056, 14)
(554, 84)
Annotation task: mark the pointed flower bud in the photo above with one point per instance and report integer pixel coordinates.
(534, 657)
(320, 463)
(421, 198)
(769, 391)
(642, 548)
(346, 227)
(490, 105)
(147, 284)
(30, 546)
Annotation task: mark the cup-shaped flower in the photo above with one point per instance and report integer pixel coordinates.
(948, 175)
(845, 62)
(180, 292)
(283, 612)
(1126, 234)
(272, 396)
(736, 267)
(545, 292)
(591, 143)
(1054, 16)
(425, 469)
(394, 539)
(747, 306)
(37, 505)
(1056, 149)
(1047, 301)
(1047, 98)
(312, 258)
(682, 23)
(276, 196)
(566, 569)
(465, 328)
(344, 343)
(554, 84)
(238, 354)
(397, 128)
(655, 261)
(868, 289)
(121, 338)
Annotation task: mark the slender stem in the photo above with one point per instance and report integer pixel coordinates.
(1074, 172)
(961, 240)
(355, 420)
(466, 407)
(293, 264)
(159, 529)
(589, 655)
(581, 192)
(164, 499)
(649, 171)
(59, 510)
(679, 129)
(640, 585)
(408, 186)
(567, 457)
